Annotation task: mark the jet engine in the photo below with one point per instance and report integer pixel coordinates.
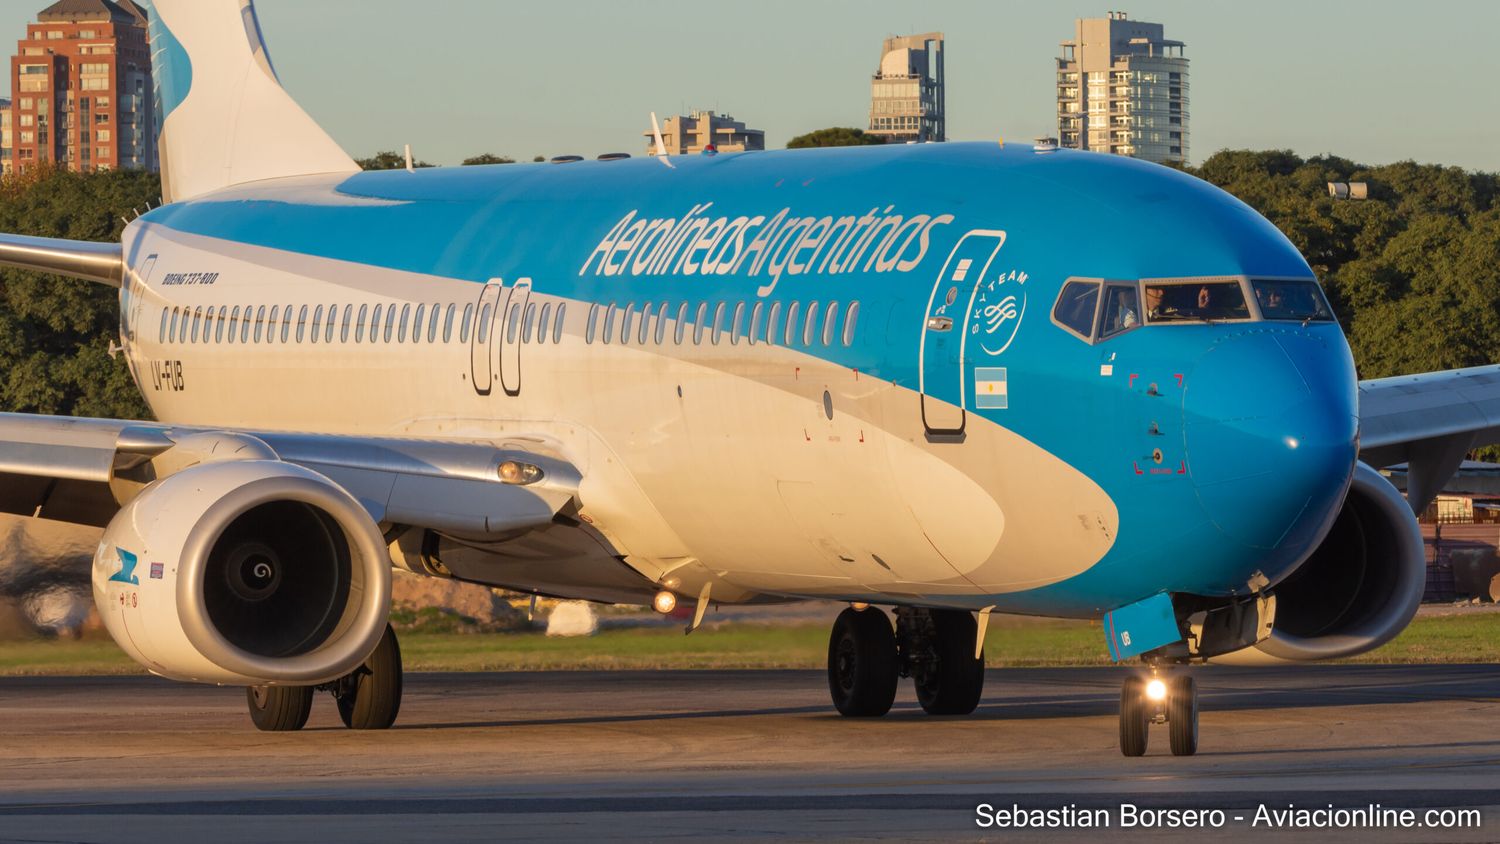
(244, 572)
(1358, 589)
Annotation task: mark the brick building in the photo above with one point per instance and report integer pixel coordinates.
(81, 93)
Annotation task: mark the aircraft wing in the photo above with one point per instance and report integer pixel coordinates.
(1430, 422)
(72, 469)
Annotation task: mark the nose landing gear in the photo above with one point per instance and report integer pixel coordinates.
(1172, 701)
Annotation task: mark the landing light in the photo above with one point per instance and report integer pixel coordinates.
(1156, 690)
(664, 602)
(1291, 442)
(520, 474)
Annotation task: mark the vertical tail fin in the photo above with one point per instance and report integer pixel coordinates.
(225, 119)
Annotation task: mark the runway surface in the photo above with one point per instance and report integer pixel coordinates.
(689, 755)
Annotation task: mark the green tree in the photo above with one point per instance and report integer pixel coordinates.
(55, 333)
(388, 160)
(488, 158)
(836, 136)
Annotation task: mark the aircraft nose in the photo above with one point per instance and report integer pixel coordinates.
(1270, 426)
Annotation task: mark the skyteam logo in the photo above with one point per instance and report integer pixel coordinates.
(998, 312)
(126, 574)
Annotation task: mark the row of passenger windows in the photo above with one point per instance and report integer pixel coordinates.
(419, 323)
(825, 324)
(380, 323)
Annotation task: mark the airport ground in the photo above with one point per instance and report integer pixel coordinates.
(680, 755)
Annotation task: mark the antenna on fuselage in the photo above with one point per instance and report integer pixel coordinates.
(661, 146)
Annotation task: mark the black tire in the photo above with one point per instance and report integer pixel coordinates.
(370, 698)
(1135, 719)
(954, 687)
(862, 663)
(1182, 716)
(279, 709)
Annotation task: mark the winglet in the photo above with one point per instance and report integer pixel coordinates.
(661, 146)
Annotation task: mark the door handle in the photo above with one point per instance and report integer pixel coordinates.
(939, 323)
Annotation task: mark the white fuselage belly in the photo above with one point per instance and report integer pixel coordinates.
(701, 461)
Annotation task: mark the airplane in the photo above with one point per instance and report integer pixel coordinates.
(933, 381)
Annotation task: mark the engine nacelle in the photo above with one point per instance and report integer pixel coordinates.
(244, 572)
(1358, 589)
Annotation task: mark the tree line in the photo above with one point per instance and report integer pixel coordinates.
(1413, 271)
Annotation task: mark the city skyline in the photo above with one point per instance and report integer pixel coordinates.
(522, 81)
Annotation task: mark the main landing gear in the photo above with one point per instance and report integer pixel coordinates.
(1172, 701)
(933, 647)
(368, 698)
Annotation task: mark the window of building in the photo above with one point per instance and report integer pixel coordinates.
(792, 312)
(849, 321)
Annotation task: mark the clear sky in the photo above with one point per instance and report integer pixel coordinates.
(1376, 81)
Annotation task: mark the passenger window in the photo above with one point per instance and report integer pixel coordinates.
(830, 323)
(849, 321)
(219, 327)
(593, 323)
(416, 325)
(482, 330)
(810, 327)
(172, 332)
(512, 320)
(661, 324)
(234, 324)
(542, 321)
(700, 323)
(644, 333)
(609, 325)
(625, 321)
(301, 323)
(182, 327)
(448, 323)
(161, 329)
(791, 323)
(755, 315)
(346, 323)
(681, 326)
(401, 330)
(432, 322)
(718, 323)
(557, 324)
(1121, 310)
(260, 322)
(1076, 306)
(466, 323)
(197, 324)
(737, 323)
(773, 323)
(245, 320)
(317, 323)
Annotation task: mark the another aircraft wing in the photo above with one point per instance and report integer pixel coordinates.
(1429, 421)
(64, 468)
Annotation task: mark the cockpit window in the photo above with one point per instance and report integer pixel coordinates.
(1196, 301)
(1292, 300)
(1075, 307)
(1121, 312)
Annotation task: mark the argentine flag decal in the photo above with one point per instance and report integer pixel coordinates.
(989, 388)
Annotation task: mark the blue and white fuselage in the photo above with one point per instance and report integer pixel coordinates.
(928, 430)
